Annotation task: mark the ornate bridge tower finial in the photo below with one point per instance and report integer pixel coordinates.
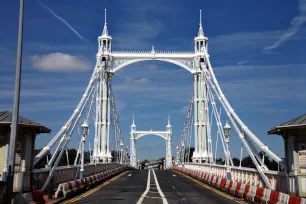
(200, 40)
(133, 121)
(169, 125)
(105, 40)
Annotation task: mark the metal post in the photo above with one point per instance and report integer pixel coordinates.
(82, 158)
(241, 152)
(67, 158)
(84, 134)
(195, 95)
(14, 126)
(228, 171)
(177, 154)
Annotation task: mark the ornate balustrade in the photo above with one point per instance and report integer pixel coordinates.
(243, 175)
(68, 173)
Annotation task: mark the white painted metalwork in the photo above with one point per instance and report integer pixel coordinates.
(136, 134)
(99, 97)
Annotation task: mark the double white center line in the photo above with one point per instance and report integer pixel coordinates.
(148, 188)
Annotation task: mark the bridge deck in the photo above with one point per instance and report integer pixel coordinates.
(176, 188)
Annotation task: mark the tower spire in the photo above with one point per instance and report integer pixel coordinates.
(133, 120)
(200, 18)
(105, 17)
(169, 125)
(105, 31)
(201, 33)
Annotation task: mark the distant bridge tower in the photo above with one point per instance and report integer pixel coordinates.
(168, 144)
(136, 134)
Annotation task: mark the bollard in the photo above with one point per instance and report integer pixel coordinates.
(50, 188)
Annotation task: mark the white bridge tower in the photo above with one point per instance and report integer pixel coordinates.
(136, 134)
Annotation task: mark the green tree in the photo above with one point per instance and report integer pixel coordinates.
(43, 162)
(271, 164)
(71, 156)
(236, 161)
(220, 161)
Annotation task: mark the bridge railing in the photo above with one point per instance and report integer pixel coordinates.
(243, 175)
(68, 173)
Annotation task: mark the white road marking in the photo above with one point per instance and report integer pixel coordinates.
(130, 175)
(153, 192)
(174, 175)
(146, 191)
(159, 190)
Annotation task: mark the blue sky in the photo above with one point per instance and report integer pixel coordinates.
(257, 50)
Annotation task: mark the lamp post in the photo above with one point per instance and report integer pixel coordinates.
(121, 151)
(177, 155)
(227, 129)
(183, 154)
(15, 113)
(84, 134)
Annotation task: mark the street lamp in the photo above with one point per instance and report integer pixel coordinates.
(121, 151)
(127, 161)
(183, 154)
(84, 134)
(227, 134)
(177, 154)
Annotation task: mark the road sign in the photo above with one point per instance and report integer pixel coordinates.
(302, 159)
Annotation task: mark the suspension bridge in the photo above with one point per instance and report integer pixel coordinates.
(96, 114)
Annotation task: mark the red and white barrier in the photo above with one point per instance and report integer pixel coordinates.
(260, 194)
(228, 185)
(245, 191)
(251, 194)
(71, 188)
(241, 190)
(214, 180)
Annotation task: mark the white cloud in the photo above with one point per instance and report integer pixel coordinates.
(262, 92)
(60, 62)
(242, 62)
(295, 25)
(242, 40)
(140, 81)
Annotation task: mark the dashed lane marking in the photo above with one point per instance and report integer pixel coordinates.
(159, 190)
(213, 189)
(83, 195)
(146, 191)
(153, 192)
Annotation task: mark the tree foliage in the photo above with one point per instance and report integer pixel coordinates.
(43, 162)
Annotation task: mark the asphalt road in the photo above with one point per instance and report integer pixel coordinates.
(162, 187)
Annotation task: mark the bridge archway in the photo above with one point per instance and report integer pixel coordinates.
(136, 134)
(119, 63)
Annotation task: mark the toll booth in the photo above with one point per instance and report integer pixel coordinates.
(294, 135)
(25, 144)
